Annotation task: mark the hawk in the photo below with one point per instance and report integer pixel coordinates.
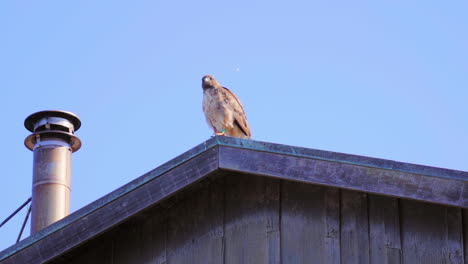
(223, 110)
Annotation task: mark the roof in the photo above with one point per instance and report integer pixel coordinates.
(220, 155)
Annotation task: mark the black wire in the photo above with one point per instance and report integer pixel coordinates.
(24, 224)
(15, 212)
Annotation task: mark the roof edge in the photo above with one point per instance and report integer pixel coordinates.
(342, 158)
(108, 198)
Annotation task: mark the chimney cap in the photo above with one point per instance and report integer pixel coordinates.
(32, 119)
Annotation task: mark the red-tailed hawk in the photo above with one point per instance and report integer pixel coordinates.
(223, 110)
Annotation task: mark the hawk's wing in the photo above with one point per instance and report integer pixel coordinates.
(240, 119)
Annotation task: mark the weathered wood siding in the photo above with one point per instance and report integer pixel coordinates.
(250, 219)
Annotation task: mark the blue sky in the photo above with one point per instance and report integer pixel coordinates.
(381, 79)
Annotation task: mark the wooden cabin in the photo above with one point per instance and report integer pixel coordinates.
(231, 200)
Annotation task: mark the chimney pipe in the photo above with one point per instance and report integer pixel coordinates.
(52, 143)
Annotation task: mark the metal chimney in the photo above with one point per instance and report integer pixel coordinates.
(52, 143)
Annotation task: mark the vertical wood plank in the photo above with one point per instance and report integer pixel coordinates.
(332, 221)
(252, 232)
(454, 234)
(195, 226)
(97, 250)
(354, 228)
(141, 240)
(465, 234)
(126, 244)
(431, 233)
(384, 228)
(152, 238)
(309, 224)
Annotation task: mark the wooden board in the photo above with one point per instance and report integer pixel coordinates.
(384, 230)
(252, 233)
(195, 226)
(465, 233)
(354, 228)
(431, 234)
(142, 240)
(310, 230)
(347, 175)
(99, 250)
